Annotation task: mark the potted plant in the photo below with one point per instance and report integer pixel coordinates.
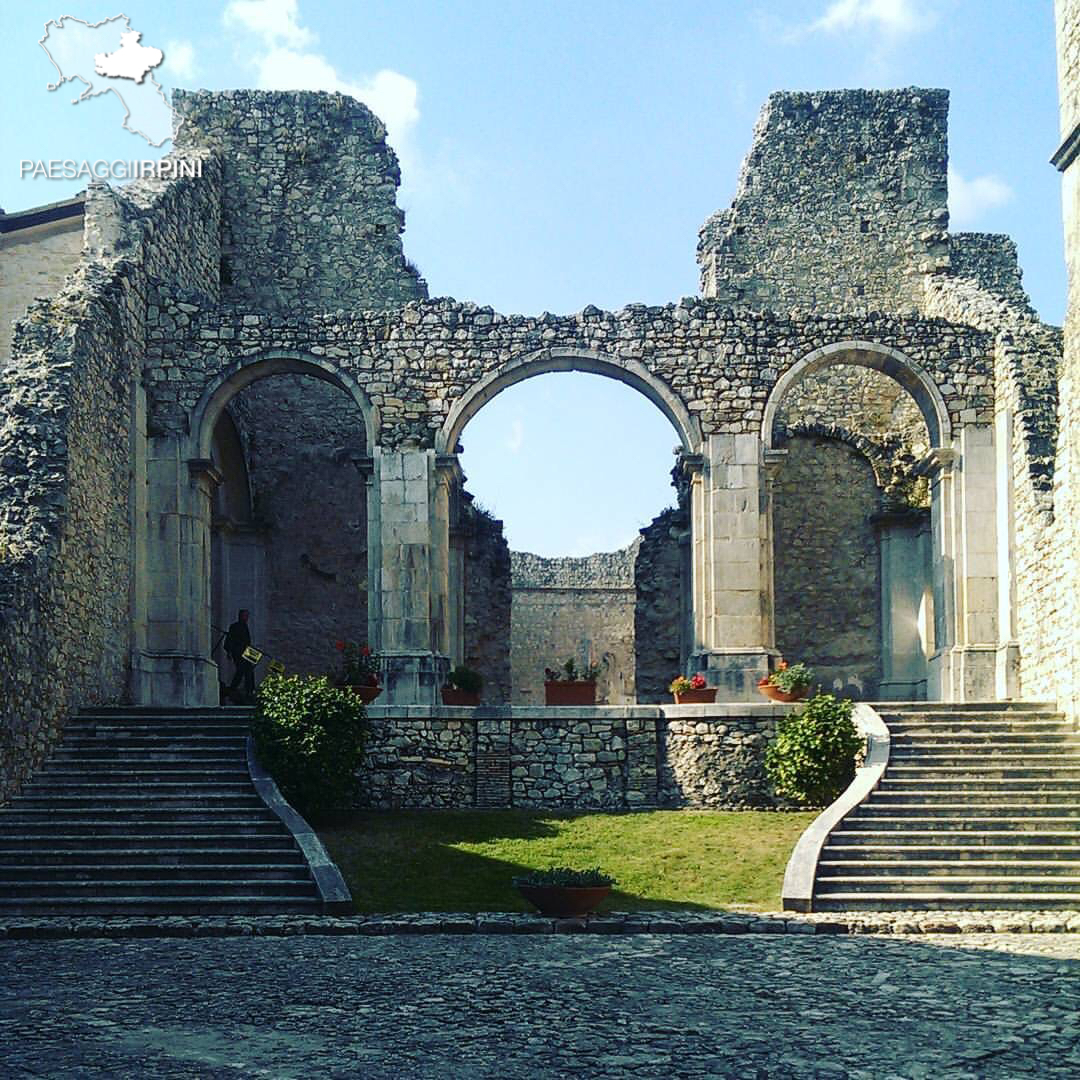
(359, 670)
(462, 687)
(787, 682)
(568, 686)
(563, 892)
(692, 691)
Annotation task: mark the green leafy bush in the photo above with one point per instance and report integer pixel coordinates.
(812, 758)
(566, 877)
(466, 679)
(309, 736)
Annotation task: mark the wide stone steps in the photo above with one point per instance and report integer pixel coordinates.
(979, 808)
(144, 813)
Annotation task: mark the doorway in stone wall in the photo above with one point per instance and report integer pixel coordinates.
(853, 594)
(289, 524)
(573, 472)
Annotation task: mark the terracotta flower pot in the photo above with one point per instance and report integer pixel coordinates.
(564, 901)
(451, 695)
(367, 694)
(774, 693)
(705, 696)
(570, 693)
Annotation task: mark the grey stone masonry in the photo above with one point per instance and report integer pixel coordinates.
(840, 205)
(611, 758)
(311, 220)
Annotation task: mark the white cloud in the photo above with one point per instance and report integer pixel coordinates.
(179, 60)
(277, 22)
(969, 199)
(285, 62)
(892, 17)
(516, 439)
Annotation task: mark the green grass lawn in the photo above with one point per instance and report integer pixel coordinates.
(412, 860)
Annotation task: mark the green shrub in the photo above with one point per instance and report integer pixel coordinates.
(566, 877)
(309, 736)
(466, 679)
(812, 758)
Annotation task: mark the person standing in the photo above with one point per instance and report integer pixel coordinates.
(236, 641)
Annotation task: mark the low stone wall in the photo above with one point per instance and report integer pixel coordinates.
(603, 758)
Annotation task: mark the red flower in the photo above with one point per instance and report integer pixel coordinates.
(697, 682)
(782, 665)
(340, 646)
(365, 650)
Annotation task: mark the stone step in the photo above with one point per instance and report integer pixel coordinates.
(948, 901)
(155, 774)
(950, 708)
(48, 823)
(900, 885)
(153, 741)
(961, 811)
(993, 749)
(29, 888)
(140, 852)
(1005, 796)
(983, 770)
(933, 835)
(108, 761)
(232, 903)
(924, 822)
(109, 872)
(269, 837)
(830, 867)
(975, 783)
(98, 787)
(148, 803)
(949, 854)
(107, 729)
(977, 739)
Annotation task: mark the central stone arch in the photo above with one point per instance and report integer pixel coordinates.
(543, 362)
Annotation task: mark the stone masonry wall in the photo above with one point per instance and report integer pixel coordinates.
(488, 603)
(840, 205)
(580, 608)
(662, 597)
(610, 759)
(828, 564)
(989, 259)
(1062, 650)
(304, 439)
(34, 263)
(310, 181)
(67, 442)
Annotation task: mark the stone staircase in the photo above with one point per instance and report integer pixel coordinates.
(143, 812)
(979, 808)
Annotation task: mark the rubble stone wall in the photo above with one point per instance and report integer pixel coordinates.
(661, 602)
(488, 604)
(68, 439)
(581, 608)
(609, 759)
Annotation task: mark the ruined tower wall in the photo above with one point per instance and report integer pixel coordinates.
(488, 603)
(840, 205)
(309, 217)
(73, 429)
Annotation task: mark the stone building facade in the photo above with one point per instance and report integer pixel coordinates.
(162, 456)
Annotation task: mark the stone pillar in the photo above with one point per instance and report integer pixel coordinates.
(642, 780)
(1007, 668)
(964, 525)
(173, 667)
(904, 538)
(411, 521)
(731, 565)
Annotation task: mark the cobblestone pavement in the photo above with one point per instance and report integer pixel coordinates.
(941, 1006)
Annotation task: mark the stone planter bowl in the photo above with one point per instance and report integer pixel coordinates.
(705, 696)
(451, 695)
(367, 694)
(776, 694)
(564, 901)
(570, 693)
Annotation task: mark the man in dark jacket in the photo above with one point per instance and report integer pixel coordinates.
(236, 641)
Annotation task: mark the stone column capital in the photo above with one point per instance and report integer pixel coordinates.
(939, 461)
(203, 470)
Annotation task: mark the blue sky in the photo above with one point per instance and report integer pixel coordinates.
(560, 154)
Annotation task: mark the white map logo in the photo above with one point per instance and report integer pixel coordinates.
(108, 58)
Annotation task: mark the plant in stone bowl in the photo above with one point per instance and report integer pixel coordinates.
(692, 690)
(564, 892)
(359, 669)
(789, 682)
(566, 685)
(462, 686)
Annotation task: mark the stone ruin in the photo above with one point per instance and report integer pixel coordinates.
(235, 390)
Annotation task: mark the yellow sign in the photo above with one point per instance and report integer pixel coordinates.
(252, 656)
(276, 667)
